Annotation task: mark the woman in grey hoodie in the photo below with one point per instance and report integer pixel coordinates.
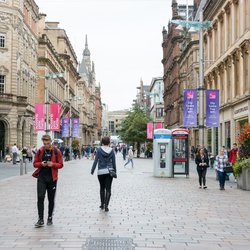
(105, 157)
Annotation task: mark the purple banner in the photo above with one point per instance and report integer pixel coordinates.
(75, 127)
(65, 127)
(212, 108)
(190, 108)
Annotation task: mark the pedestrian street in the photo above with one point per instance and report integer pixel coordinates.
(146, 213)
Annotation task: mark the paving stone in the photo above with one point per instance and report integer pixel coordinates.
(155, 213)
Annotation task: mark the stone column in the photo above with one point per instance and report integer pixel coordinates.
(233, 26)
(225, 84)
(233, 78)
(225, 31)
(241, 73)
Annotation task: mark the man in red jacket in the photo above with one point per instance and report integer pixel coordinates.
(233, 155)
(48, 160)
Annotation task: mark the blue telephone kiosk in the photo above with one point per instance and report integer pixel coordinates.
(162, 153)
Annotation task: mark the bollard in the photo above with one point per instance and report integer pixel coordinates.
(25, 166)
(21, 167)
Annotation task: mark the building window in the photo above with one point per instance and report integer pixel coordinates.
(159, 112)
(2, 40)
(2, 83)
(111, 126)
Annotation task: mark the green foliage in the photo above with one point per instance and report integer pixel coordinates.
(241, 164)
(75, 144)
(134, 126)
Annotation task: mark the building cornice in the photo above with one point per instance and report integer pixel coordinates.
(211, 8)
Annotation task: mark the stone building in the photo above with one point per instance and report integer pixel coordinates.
(171, 45)
(156, 95)
(91, 93)
(18, 70)
(143, 97)
(115, 119)
(228, 67)
(56, 56)
(49, 63)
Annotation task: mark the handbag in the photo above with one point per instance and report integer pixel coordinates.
(112, 172)
(228, 169)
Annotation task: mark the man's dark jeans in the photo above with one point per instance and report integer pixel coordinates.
(43, 185)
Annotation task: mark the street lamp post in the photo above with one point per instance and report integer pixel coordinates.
(199, 26)
(201, 85)
(75, 98)
(47, 77)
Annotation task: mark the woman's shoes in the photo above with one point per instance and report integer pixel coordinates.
(205, 187)
(106, 209)
(102, 207)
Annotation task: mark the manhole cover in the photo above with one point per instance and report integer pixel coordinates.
(109, 244)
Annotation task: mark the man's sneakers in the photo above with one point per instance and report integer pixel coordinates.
(49, 221)
(40, 223)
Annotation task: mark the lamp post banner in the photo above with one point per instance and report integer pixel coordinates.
(75, 127)
(190, 108)
(212, 108)
(39, 117)
(150, 128)
(158, 125)
(65, 127)
(55, 117)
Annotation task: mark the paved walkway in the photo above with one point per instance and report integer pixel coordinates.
(8, 170)
(145, 212)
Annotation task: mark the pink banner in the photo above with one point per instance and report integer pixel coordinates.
(159, 125)
(39, 117)
(150, 128)
(55, 117)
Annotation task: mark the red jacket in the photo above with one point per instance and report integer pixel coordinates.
(233, 156)
(56, 165)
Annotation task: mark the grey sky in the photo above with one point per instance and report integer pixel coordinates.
(124, 40)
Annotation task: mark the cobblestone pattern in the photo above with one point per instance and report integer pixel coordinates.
(156, 213)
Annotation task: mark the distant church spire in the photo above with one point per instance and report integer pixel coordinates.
(86, 51)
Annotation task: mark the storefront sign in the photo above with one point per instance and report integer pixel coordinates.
(241, 110)
(190, 108)
(39, 117)
(212, 108)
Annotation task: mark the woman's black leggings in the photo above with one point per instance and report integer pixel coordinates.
(105, 188)
(202, 176)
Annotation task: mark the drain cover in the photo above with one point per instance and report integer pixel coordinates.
(109, 244)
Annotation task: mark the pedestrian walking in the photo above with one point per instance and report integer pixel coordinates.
(202, 163)
(124, 152)
(14, 151)
(130, 157)
(105, 158)
(220, 164)
(48, 160)
(233, 155)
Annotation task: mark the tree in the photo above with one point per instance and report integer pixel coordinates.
(134, 127)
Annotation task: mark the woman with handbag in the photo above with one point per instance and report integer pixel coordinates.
(202, 163)
(105, 158)
(221, 162)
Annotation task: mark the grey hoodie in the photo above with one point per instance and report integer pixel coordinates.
(105, 157)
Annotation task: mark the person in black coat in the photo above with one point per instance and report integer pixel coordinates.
(202, 163)
(105, 159)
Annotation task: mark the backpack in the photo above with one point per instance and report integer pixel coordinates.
(55, 152)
